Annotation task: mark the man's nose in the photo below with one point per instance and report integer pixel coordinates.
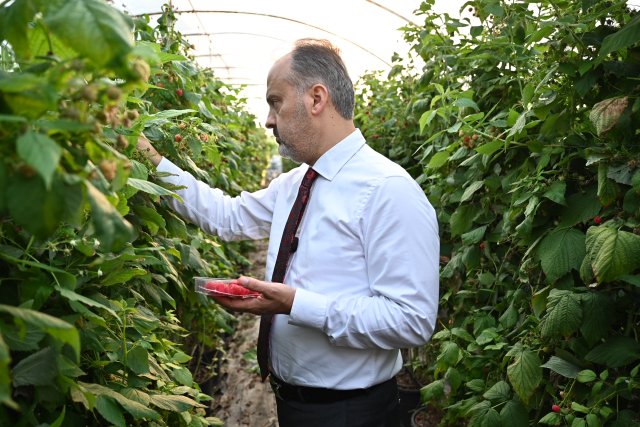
(271, 121)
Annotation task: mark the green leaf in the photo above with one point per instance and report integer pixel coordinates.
(174, 403)
(39, 369)
(608, 190)
(41, 212)
(586, 376)
(432, 391)
(598, 311)
(28, 342)
(631, 201)
(151, 188)
(580, 208)
(551, 419)
(138, 360)
(612, 252)
(110, 410)
(474, 236)
(592, 420)
(168, 57)
(490, 147)
(99, 31)
(556, 192)
(72, 296)
(564, 314)
(455, 379)
(60, 419)
(626, 36)
(183, 376)
(135, 408)
(111, 229)
(527, 94)
(438, 159)
(510, 317)
(617, 351)
(524, 372)
(562, 251)
(55, 327)
(562, 367)
(169, 114)
(462, 219)
(122, 276)
(448, 356)
(40, 152)
(465, 102)
(472, 188)
(514, 413)
(500, 392)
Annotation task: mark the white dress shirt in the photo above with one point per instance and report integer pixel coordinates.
(365, 272)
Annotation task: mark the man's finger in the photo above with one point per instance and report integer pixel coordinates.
(253, 284)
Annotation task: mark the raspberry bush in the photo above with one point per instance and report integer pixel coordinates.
(98, 319)
(525, 137)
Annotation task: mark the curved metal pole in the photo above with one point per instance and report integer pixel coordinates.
(236, 33)
(392, 12)
(275, 17)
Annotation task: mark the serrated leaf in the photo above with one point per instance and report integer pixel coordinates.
(40, 152)
(562, 367)
(510, 317)
(563, 316)
(524, 372)
(608, 190)
(183, 376)
(39, 369)
(474, 236)
(465, 102)
(122, 276)
(490, 147)
(562, 251)
(514, 413)
(99, 31)
(112, 230)
(586, 376)
(174, 403)
(472, 188)
(617, 351)
(151, 188)
(598, 311)
(462, 219)
(580, 208)
(448, 356)
(500, 392)
(625, 36)
(110, 410)
(432, 391)
(612, 252)
(556, 192)
(551, 419)
(592, 420)
(138, 360)
(606, 114)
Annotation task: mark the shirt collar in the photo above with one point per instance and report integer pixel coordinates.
(333, 160)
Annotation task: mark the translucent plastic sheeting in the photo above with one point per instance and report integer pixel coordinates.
(241, 39)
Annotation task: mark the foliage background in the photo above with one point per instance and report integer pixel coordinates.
(95, 270)
(524, 136)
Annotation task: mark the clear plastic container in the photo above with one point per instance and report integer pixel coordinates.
(223, 287)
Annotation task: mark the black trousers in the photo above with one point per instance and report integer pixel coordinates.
(378, 408)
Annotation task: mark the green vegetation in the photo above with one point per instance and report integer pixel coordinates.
(525, 137)
(95, 271)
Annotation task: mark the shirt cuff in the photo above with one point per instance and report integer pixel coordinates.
(165, 165)
(309, 309)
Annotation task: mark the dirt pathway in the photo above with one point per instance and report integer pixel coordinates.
(244, 399)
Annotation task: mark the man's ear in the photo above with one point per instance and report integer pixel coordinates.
(320, 96)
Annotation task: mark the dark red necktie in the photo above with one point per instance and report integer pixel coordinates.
(287, 247)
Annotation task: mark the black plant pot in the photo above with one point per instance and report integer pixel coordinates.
(410, 400)
(415, 415)
(211, 384)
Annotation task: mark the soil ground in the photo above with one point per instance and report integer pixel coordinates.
(243, 400)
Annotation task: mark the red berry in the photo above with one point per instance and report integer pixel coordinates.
(374, 136)
(406, 123)
(178, 138)
(179, 92)
(366, 112)
(481, 245)
(160, 85)
(210, 164)
(555, 408)
(597, 220)
(471, 281)
(466, 139)
(159, 74)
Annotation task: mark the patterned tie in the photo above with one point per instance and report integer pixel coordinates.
(282, 262)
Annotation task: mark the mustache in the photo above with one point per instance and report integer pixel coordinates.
(275, 133)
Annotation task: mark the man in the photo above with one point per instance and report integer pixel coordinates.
(353, 251)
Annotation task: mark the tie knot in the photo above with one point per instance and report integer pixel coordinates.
(309, 177)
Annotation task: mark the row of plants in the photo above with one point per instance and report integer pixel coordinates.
(524, 132)
(98, 321)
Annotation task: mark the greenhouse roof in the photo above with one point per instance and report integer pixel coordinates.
(240, 40)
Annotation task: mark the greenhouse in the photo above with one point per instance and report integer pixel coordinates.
(409, 213)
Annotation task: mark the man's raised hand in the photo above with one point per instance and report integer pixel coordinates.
(145, 146)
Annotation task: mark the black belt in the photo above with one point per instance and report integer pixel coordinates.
(295, 393)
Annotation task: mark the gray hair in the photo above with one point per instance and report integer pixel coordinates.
(318, 61)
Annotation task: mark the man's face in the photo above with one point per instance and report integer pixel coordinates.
(288, 116)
